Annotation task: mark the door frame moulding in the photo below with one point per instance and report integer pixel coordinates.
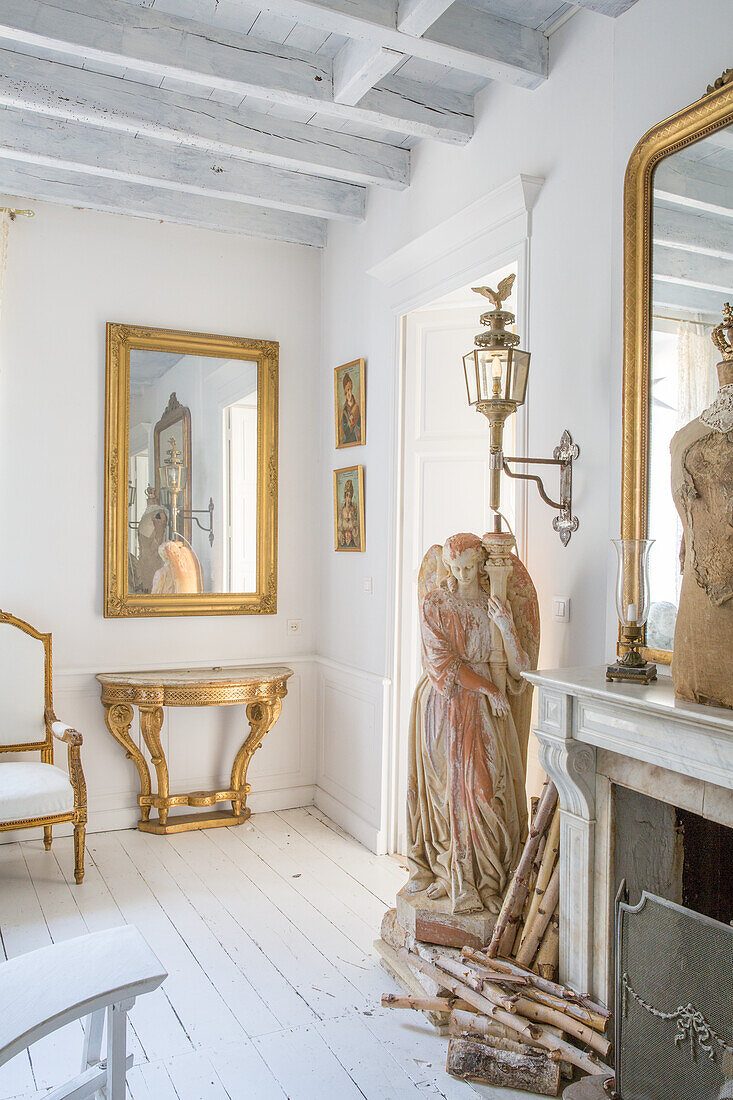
(490, 233)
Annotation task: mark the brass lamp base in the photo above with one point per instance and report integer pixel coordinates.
(642, 673)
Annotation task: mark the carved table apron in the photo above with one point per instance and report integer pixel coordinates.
(260, 689)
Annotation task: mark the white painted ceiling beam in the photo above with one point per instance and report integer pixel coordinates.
(612, 8)
(692, 184)
(680, 298)
(165, 46)
(31, 181)
(694, 232)
(463, 38)
(357, 67)
(61, 91)
(694, 269)
(452, 119)
(415, 16)
(73, 146)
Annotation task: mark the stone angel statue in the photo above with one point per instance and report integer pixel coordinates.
(466, 803)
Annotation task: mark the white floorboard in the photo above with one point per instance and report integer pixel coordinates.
(266, 931)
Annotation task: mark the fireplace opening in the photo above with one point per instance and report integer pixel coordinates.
(673, 853)
(707, 866)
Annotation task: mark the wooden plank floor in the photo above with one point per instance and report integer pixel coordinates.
(266, 931)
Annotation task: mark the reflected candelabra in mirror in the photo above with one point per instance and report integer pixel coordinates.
(164, 552)
(678, 273)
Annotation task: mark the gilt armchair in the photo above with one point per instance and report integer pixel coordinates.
(34, 793)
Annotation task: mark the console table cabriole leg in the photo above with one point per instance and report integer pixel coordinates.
(262, 716)
(151, 722)
(118, 719)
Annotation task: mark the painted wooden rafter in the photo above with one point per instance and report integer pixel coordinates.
(358, 66)
(463, 38)
(164, 46)
(56, 143)
(77, 95)
(71, 188)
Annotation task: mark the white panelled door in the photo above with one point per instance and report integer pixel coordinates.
(445, 473)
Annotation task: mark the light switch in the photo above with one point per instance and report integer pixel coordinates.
(368, 586)
(561, 609)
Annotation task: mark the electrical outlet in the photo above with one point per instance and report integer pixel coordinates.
(561, 609)
(368, 587)
(295, 626)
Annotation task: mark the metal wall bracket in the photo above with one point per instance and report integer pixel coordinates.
(563, 457)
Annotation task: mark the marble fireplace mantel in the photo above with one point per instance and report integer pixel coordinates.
(593, 734)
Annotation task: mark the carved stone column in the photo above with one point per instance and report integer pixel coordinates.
(572, 767)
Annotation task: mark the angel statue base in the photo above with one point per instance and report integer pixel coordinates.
(469, 727)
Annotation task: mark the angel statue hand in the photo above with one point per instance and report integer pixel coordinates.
(497, 700)
(502, 616)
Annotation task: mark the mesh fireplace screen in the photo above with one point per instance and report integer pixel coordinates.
(674, 1003)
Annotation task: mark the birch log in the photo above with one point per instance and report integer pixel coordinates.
(537, 929)
(526, 908)
(424, 1004)
(498, 967)
(544, 873)
(547, 958)
(525, 1028)
(471, 1023)
(505, 928)
(503, 1063)
(583, 1015)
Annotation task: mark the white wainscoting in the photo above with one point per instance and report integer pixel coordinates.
(327, 748)
(352, 718)
(200, 744)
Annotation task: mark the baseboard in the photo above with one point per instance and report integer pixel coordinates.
(126, 817)
(355, 826)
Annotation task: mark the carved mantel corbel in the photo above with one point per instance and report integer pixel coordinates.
(572, 767)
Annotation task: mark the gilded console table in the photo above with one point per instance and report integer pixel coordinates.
(260, 689)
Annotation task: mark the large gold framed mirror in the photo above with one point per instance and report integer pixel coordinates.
(191, 474)
(678, 273)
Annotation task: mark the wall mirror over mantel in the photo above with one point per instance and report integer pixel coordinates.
(191, 474)
(678, 274)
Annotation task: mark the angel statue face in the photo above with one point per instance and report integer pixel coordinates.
(463, 555)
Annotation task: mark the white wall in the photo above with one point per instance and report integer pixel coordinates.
(70, 271)
(609, 81)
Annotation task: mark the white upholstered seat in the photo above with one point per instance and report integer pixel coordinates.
(34, 790)
(36, 793)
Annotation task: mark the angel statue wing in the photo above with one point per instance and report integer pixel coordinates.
(522, 598)
(432, 572)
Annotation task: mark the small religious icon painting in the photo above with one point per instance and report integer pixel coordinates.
(350, 410)
(348, 506)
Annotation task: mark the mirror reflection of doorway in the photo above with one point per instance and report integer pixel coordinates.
(240, 426)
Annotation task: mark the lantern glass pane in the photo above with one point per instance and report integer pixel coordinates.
(470, 371)
(518, 376)
(492, 372)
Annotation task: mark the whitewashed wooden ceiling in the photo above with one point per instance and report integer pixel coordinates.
(268, 120)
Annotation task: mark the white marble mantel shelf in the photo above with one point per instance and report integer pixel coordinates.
(580, 720)
(642, 722)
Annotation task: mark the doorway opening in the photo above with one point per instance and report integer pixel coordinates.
(444, 484)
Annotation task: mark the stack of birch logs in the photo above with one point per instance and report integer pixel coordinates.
(511, 1024)
(528, 926)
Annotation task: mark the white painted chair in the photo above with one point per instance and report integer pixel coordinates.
(84, 977)
(36, 793)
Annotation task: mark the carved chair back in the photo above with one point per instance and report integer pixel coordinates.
(25, 688)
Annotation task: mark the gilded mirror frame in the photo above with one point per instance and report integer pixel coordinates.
(712, 112)
(118, 601)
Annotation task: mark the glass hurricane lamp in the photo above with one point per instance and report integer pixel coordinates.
(632, 608)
